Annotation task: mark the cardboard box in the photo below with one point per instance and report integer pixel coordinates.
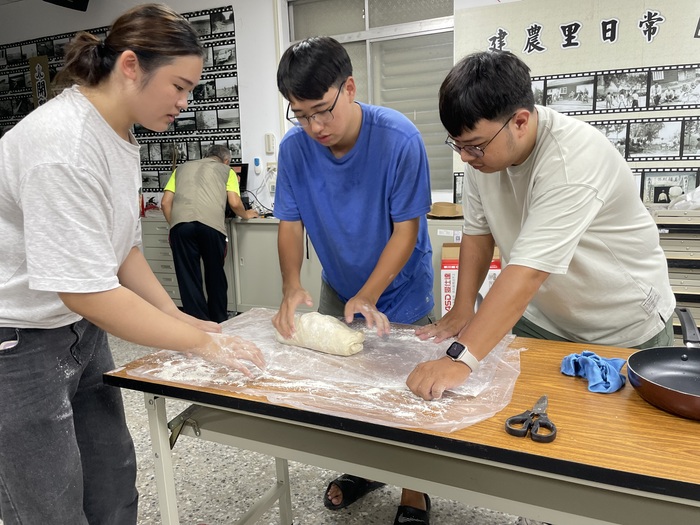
(450, 268)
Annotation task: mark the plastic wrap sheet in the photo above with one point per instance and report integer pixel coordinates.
(368, 386)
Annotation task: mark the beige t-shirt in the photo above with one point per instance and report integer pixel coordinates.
(573, 209)
(200, 188)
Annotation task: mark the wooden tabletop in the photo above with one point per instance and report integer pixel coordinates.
(615, 438)
(618, 431)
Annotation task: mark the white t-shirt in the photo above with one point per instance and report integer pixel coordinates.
(69, 210)
(572, 209)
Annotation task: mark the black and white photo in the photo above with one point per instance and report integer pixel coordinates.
(570, 94)
(675, 87)
(661, 187)
(615, 132)
(224, 55)
(206, 119)
(654, 139)
(228, 118)
(185, 121)
(227, 87)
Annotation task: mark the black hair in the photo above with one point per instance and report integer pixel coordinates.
(154, 32)
(308, 69)
(489, 85)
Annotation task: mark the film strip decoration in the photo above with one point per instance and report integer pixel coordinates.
(659, 186)
(208, 119)
(653, 139)
(15, 81)
(215, 87)
(158, 156)
(213, 115)
(621, 90)
(159, 152)
(212, 24)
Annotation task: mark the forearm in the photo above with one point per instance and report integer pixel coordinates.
(236, 204)
(166, 205)
(136, 275)
(502, 307)
(475, 255)
(290, 245)
(126, 315)
(393, 258)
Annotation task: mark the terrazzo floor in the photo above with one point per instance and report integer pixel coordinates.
(215, 484)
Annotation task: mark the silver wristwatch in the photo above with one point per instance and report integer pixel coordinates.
(458, 352)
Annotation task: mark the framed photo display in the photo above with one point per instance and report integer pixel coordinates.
(661, 187)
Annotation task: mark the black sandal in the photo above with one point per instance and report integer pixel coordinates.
(407, 515)
(352, 488)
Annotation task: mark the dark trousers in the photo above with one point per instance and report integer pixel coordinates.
(195, 245)
(66, 455)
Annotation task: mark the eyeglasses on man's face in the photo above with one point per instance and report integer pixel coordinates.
(320, 117)
(475, 151)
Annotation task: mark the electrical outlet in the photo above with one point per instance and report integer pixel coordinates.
(272, 185)
(271, 166)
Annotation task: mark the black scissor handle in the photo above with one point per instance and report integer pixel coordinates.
(543, 422)
(520, 424)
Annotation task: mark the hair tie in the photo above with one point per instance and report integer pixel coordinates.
(102, 49)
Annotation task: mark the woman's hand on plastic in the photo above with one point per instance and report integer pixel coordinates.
(230, 351)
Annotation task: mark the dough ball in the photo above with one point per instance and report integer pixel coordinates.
(325, 334)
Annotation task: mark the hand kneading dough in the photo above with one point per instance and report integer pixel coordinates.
(325, 334)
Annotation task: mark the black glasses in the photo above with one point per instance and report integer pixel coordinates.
(321, 117)
(475, 151)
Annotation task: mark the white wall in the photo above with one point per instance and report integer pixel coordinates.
(256, 47)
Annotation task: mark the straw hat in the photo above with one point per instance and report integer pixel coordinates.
(445, 210)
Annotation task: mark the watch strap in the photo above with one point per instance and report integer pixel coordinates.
(468, 359)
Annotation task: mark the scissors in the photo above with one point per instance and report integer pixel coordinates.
(535, 420)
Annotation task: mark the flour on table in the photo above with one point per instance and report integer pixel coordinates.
(324, 333)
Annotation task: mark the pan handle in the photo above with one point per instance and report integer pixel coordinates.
(691, 335)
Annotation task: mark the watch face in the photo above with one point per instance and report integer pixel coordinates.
(455, 350)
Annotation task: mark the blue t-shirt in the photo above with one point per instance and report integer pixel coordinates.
(349, 205)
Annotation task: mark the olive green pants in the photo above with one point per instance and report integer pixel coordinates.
(525, 328)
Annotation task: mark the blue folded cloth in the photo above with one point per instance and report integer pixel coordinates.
(603, 374)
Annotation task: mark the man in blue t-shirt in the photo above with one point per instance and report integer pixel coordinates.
(356, 177)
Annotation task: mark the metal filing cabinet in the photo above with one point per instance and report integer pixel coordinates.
(156, 249)
(257, 270)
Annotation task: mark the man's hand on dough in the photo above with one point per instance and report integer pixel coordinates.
(361, 305)
(283, 320)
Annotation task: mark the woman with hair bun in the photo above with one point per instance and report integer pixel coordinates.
(71, 270)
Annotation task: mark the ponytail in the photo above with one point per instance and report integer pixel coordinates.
(154, 32)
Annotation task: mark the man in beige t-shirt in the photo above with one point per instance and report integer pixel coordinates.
(194, 204)
(581, 255)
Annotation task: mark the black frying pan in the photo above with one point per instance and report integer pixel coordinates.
(669, 377)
